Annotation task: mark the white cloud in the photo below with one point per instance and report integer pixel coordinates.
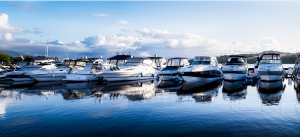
(124, 22)
(144, 54)
(24, 6)
(33, 31)
(99, 15)
(5, 26)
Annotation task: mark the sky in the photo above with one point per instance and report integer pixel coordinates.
(168, 29)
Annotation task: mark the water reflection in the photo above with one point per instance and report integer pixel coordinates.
(297, 88)
(234, 90)
(132, 90)
(270, 92)
(169, 85)
(80, 90)
(204, 93)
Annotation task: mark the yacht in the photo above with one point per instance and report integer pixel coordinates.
(296, 69)
(203, 69)
(235, 68)
(59, 73)
(171, 71)
(270, 67)
(20, 75)
(88, 73)
(136, 68)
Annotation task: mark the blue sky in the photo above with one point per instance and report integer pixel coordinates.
(147, 28)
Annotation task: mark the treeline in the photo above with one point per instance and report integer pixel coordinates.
(287, 58)
(6, 59)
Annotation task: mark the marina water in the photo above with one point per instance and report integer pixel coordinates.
(148, 108)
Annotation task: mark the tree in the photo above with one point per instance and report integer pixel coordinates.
(5, 58)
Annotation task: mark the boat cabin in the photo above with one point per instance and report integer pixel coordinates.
(236, 60)
(205, 60)
(136, 61)
(118, 59)
(270, 58)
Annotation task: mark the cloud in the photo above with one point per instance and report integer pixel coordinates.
(56, 42)
(99, 15)
(33, 31)
(5, 26)
(124, 22)
(24, 6)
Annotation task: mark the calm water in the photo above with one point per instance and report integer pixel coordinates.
(146, 108)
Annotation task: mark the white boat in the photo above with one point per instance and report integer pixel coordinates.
(171, 71)
(59, 73)
(235, 68)
(203, 69)
(134, 69)
(270, 67)
(20, 75)
(88, 73)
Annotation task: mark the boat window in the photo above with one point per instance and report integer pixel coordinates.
(269, 61)
(174, 62)
(113, 62)
(200, 63)
(271, 57)
(80, 63)
(72, 63)
(131, 64)
(120, 62)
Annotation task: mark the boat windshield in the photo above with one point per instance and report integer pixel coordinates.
(132, 64)
(201, 61)
(269, 61)
(31, 68)
(235, 61)
(174, 62)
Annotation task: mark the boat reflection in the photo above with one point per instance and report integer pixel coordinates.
(80, 90)
(132, 90)
(234, 90)
(270, 92)
(297, 88)
(169, 85)
(204, 93)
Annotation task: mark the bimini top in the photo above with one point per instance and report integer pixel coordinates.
(120, 57)
(237, 56)
(236, 60)
(179, 58)
(270, 56)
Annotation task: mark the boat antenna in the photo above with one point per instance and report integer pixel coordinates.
(66, 53)
(46, 54)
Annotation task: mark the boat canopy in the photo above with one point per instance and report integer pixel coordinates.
(270, 56)
(177, 62)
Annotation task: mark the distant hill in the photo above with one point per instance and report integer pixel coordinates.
(287, 58)
(12, 53)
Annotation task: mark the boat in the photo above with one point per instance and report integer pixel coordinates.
(88, 73)
(235, 68)
(171, 71)
(270, 67)
(203, 69)
(136, 68)
(59, 73)
(296, 69)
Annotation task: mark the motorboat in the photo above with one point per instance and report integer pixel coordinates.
(20, 75)
(235, 68)
(136, 68)
(270, 67)
(160, 62)
(59, 73)
(88, 73)
(171, 71)
(296, 69)
(203, 69)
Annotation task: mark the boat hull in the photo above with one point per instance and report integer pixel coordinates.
(270, 75)
(126, 76)
(80, 77)
(233, 76)
(49, 77)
